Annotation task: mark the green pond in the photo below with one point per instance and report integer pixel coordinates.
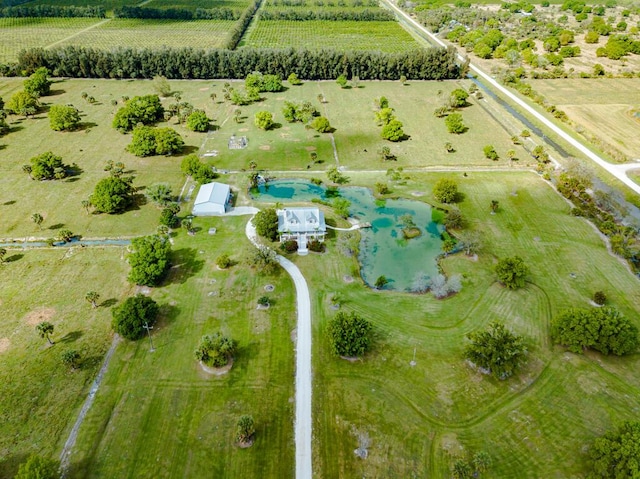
(383, 248)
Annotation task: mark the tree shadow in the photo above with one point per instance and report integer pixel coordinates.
(13, 258)
(56, 92)
(186, 262)
(187, 150)
(85, 126)
(56, 226)
(74, 170)
(10, 464)
(167, 314)
(460, 197)
(9, 203)
(107, 303)
(245, 354)
(71, 337)
(79, 469)
(15, 128)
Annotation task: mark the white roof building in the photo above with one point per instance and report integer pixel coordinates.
(213, 199)
(301, 225)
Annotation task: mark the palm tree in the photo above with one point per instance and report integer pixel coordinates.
(71, 357)
(93, 298)
(37, 219)
(45, 329)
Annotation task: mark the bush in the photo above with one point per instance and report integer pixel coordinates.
(139, 109)
(198, 121)
(223, 261)
(215, 350)
(263, 120)
(392, 131)
(490, 153)
(599, 298)
(38, 84)
(63, 117)
(37, 467)
(455, 124)
(316, 246)
(321, 125)
(245, 429)
(512, 272)
(445, 191)
(169, 218)
(290, 246)
(130, 317)
(497, 349)
(349, 334)
(47, 166)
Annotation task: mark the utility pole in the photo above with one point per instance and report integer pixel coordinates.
(149, 328)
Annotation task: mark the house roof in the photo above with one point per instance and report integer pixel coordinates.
(301, 220)
(216, 193)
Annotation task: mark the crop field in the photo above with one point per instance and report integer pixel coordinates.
(600, 107)
(121, 32)
(22, 33)
(420, 418)
(347, 35)
(158, 414)
(108, 4)
(40, 395)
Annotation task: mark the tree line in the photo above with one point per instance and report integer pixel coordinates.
(188, 63)
(223, 13)
(60, 11)
(341, 15)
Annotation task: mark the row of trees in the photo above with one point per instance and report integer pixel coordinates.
(222, 13)
(39, 11)
(189, 63)
(391, 126)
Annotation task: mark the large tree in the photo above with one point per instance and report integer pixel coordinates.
(349, 334)
(23, 103)
(445, 190)
(603, 329)
(37, 467)
(64, 117)
(266, 223)
(616, 455)
(198, 121)
(130, 317)
(215, 350)
(512, 272)
(496, 349)
(139, 109)
(149, 260)
(38, 84)
(47, 166)
(112, 195)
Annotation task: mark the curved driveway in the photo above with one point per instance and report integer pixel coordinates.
(303, 423)
(619, 171)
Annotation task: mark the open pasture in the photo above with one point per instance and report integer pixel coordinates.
(23, 33)
(605, 107)
(159, 414)
(40, 395)
(420, 418)
(343, 36)
(127, 32)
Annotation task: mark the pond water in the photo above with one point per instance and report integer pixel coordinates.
(383, 249)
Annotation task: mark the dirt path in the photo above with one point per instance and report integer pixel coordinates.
(65, 455)
(614, 170)
(303, 423)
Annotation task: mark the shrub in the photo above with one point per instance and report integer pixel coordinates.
(316, 246)
(47, 166)
(223, 261)
(245, 429)
(215, 350)
(490, 153)
(512, 272)
(321, 124)
(290, 246)
(112, 195)
(198, 121)
(455, 124)
(63, 117)
(349, 334)
(263, 120)
(392, 131)
(263, 301)
(497, 349)
(169, 218)
(599, 298)
(445, 191)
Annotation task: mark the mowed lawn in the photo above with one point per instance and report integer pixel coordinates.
(91, 147)
(158, 414)
(604, 107)
(420, 418)
(40, 395)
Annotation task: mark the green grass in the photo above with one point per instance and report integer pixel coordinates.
(159, 414)
(634, 175)
(40, 395)
(343, 36)
(23, 33)
(108, 4)
(535, 425)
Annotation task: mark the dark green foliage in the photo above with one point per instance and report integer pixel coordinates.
(599, 298)
(70, 357)
(63, 117)
(112, 195)
(392, 131)
(381, 281)
(148, 141)
(139, 109)
(602, 329)
(174, 13)
(289, 246)
(198, 121)
(169, 218)
(37, 467)
(263, 83)
(79, 62)
(215, 350)
(445, 190)
(616, 455)
(47, 166)
(130, 317)
(245, 429)
(149, 260)
(38, 84)
(349, 334)
(512, 272)
(497, 350)
(266, 223)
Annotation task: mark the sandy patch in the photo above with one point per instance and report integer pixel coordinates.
(217, 371)
(144, 289)
(4, 344)
(347, 279)
(39, 315)
(264, 147)
(417, 193)
(204, 89)
(310, 148)
(243, 129)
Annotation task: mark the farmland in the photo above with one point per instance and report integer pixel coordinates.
(599, 107)
(343, 36)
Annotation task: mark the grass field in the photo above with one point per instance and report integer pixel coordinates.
(23, 33)
(40, 395)
(419, 418)
(599, 107)
(160, 415)
(315, 35)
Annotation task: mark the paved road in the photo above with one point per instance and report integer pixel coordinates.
(303, 422)
(618, 171)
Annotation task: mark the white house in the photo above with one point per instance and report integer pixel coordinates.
(301, 225)
(213, 199)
